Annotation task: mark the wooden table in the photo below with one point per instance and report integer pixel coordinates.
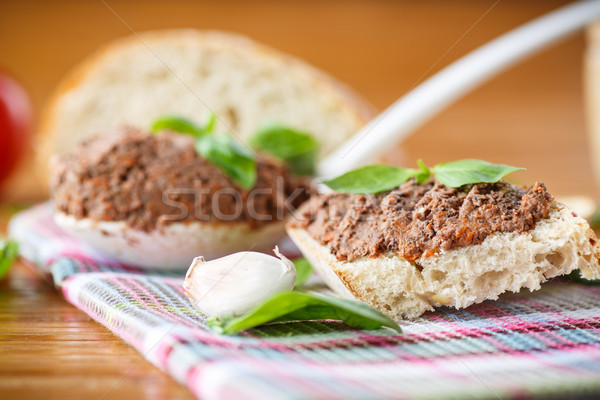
(531, 116)
(51, 350)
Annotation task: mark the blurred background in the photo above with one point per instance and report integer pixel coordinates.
(531, 116)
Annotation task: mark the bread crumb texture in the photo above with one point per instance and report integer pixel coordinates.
(134, 80)
(559, 244)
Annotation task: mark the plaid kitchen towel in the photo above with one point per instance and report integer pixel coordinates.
(542, 344)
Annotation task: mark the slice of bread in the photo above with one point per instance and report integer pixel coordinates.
(189, 73)
(174, 246)
(559, 244)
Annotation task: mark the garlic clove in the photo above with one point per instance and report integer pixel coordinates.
(234, 284)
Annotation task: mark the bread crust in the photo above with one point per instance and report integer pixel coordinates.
(175, 245)
(460, 277)
(184, 40)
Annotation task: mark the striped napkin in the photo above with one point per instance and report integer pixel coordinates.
(542, 344)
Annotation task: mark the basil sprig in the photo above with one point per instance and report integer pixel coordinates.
(297, 306)
(9, 250)
(303, 270)
(231, 157)
(378, 178)
(234, 159)
(297, 149)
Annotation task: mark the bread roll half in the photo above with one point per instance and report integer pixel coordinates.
(503, 262)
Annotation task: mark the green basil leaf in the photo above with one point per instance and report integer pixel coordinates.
(594, 220)
(211, 123)
(576, 277)
(297, 149)
(303, 270)
(177, 124)
(424, 172)
(371, 179)
(296, 306)
(184, 125)
(463, 172)
(232, 158)
(9, 250)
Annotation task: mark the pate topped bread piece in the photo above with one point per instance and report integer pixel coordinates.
(421, 246)
(153, 201)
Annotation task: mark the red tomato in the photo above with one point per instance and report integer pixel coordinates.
(15, 123)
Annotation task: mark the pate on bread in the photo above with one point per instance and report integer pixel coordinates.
(445, 273)
(152, 201)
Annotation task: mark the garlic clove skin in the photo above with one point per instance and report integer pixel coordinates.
(233, 285)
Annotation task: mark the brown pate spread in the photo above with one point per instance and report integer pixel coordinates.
(420, 219)
(125, 176)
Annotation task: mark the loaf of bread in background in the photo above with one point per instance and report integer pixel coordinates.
(189, 73)
(503, 262)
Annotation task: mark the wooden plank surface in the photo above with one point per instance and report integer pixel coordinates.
(51, 350)
(531, 116)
